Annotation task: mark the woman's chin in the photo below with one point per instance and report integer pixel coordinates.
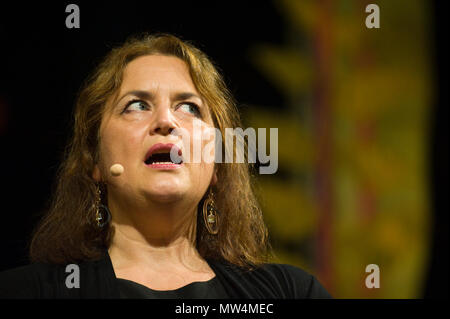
(164, 195)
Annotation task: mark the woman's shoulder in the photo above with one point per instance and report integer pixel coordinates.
(273, 280)
(90, 278)
(299, 282)
(23, 281)
(46, 280)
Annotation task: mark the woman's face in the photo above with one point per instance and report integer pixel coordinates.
(157, 95)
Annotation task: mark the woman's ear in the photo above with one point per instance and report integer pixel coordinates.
(96, 175)
(214, 178)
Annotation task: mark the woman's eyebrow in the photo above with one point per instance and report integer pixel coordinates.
(139, 93)
(150, 96)
(185, 95)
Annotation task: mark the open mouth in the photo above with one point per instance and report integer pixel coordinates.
(159, 154)
(160, 158)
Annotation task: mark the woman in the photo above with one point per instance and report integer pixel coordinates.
(132, 223)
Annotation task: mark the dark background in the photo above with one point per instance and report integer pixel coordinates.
(43, 65)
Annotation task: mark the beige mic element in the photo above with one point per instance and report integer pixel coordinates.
(116, 170)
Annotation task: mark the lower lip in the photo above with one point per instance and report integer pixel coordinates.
(164, 166)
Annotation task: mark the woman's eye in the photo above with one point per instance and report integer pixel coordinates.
(136, 105)
(190, 108)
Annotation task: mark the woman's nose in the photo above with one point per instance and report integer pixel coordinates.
(163, 121)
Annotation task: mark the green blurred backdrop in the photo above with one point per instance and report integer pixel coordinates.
(352, 185)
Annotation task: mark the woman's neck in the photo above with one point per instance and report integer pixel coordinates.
(131, 246)
(158, 263)
(155, 238)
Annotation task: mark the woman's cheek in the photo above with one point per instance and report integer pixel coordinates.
(209, 144)
(121, 144)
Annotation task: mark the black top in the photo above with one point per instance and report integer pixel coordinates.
(211, 289)
(98, 280)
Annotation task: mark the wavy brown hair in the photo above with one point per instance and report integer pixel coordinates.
(68, 232)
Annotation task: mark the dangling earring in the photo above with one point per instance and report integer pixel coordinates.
(211, 214)
(101, 218)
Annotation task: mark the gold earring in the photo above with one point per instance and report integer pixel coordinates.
(101, 219)
(210, 214)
